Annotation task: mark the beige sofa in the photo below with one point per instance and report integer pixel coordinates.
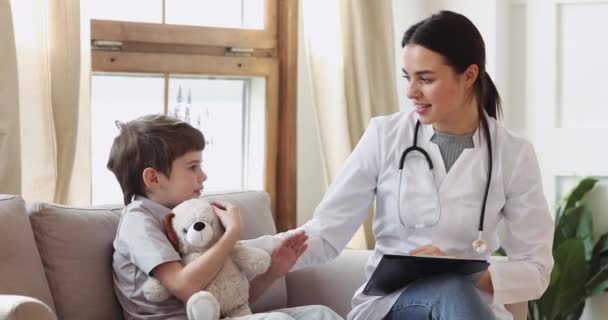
(55, 262)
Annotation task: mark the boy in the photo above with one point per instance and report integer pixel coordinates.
(157, 162)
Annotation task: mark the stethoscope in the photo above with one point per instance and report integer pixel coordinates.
(479, 245)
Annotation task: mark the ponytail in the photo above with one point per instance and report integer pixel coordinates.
(488, 98)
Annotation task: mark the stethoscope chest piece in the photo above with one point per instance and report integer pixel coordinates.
(479, 245)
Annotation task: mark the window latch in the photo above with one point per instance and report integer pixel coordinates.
(106, 45)
(240, 52)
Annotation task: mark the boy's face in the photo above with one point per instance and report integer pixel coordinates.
(185, 182)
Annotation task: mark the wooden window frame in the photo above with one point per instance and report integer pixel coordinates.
(270, 53)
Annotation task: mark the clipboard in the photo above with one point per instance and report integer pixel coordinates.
(395, 272)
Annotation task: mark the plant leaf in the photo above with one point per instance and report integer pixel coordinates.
(576, 313)
(500, 252)
(575, 196)
(600, 254)
(569, 290)
(570, 223)
(598, 282)
(555, 275)
(600, 288)
(585, 232)
(533, 312)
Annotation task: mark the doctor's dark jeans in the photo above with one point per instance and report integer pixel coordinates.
(444, 297)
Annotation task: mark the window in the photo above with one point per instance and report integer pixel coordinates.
(247, 14)
(227, 69)
(230, 113)
(117, 97)
(131, 10)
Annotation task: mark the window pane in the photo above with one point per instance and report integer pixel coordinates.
(123, 98)
(230, 113)
(247, 14)
(130, 10)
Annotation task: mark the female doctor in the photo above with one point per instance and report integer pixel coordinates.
(443, 177)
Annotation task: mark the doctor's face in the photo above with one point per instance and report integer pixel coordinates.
(441, 96)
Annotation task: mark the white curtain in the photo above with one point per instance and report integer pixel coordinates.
(10, 151)
(349, 52)
(48, 143)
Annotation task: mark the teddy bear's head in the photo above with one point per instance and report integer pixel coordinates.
(193, 226)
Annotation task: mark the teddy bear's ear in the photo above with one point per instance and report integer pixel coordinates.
(170, 232)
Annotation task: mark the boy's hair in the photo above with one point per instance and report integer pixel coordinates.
(150, 141)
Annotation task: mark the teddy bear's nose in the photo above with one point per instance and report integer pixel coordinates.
(198, 226)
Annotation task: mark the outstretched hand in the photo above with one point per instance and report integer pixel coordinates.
(286, 254)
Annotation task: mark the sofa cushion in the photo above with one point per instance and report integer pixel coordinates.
(21, 271)
(75, 245)
(256, 220)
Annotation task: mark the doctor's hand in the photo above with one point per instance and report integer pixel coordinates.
(429, 250)
(286, 254)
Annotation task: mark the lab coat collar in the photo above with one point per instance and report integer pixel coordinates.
(478, 138)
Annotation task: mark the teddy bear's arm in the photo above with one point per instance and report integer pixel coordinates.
(250, 260)
(154, 291)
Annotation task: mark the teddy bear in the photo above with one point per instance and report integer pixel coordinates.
(192, 228)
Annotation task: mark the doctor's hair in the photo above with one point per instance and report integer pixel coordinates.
(457, 39)
(150, 141)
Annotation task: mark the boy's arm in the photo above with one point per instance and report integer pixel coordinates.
(183, 281)
(283, 258)
(259, 285)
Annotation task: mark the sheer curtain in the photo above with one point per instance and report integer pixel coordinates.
(10, 151)
(45, 146)
(349, 52)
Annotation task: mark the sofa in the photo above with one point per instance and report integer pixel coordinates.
(55, 262)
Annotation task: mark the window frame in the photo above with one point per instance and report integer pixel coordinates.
(270, 53)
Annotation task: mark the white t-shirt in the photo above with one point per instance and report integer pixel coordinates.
(140, 245)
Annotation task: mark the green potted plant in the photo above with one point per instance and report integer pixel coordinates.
(581, 262)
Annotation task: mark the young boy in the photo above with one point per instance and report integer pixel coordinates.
(157, 162)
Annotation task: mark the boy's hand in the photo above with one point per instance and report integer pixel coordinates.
(285, 255)
(229, 215)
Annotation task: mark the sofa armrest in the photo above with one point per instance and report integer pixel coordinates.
(332, 284)
(13, 307)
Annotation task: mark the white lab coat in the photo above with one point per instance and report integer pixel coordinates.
(371, 172)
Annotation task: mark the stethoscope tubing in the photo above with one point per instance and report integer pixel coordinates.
(415, 147)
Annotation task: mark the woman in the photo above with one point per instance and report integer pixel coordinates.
(450, 203)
